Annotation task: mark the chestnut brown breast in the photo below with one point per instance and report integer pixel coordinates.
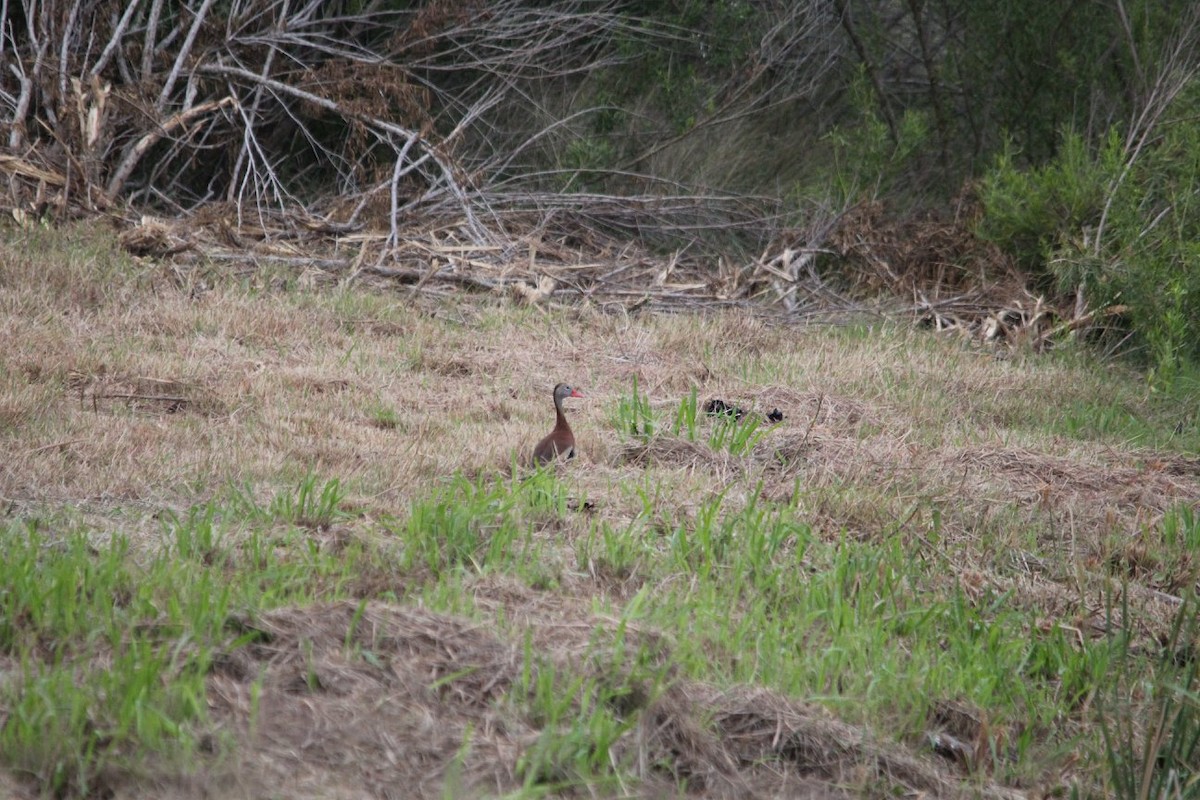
(560, 441)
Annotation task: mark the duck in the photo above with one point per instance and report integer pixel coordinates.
(559, 441)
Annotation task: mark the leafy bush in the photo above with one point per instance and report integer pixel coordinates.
(1035, 213)
(1118, 224)
(866, 160)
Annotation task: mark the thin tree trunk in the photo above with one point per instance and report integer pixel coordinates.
(931, 72)
(860, 47)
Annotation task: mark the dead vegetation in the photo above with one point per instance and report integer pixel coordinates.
(292, 120)
(404, 326)
(429, 707)
(225, 122)
(936, 273)
(954, 281)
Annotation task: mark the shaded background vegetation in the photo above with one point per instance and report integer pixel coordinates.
(1064, 133)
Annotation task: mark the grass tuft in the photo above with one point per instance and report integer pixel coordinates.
(1155, 753)
(634, 416)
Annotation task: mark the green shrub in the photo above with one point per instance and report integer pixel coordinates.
(866, 160)
(1117, 224)
(1034, 213)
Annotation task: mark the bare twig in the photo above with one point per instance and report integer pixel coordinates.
(68, 44)
(115, 40)
(184, 52)
(251, 115)
(816, 414)
(1179, 68)
(139, 148)
(792, 57)
(53, 446)
(148, 41)
(397, 174)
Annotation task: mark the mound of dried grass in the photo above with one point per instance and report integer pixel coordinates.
(147, 395)
(386, 697)
(375, 697)
(954, 280)
(674, 451)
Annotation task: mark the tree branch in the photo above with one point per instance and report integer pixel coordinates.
(182, 57)
(115, 40)
(117, 182)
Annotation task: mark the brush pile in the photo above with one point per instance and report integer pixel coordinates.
(382, 146)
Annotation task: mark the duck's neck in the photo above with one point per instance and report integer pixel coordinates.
(560, 421)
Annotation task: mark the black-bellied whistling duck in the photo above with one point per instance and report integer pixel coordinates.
(560, 440)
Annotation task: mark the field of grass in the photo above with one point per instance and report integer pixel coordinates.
(268, 535)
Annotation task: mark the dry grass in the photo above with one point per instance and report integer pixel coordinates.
(130, 390)
(398, 730)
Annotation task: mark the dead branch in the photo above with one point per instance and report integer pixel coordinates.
(184, 52)
(1180, 64)
(389, 129)
(65, 50)
(421, 277)
(116, 38)
(393, 116)
(148, 41)
(16, 166)
(16, 134)
(117, 182)
(793, 57)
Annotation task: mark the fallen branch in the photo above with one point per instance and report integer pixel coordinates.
(17, 166)
(139, 148)
(182, 57)
(420, 277)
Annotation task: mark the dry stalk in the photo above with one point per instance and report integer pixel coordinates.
(794, 55)
(1180, 66)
